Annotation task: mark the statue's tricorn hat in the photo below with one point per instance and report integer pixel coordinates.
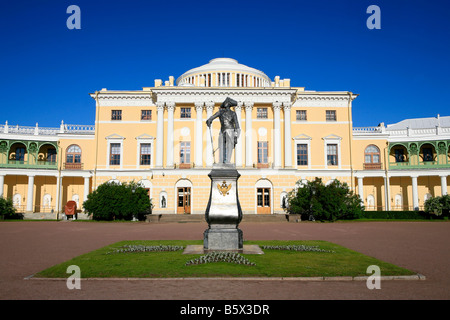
(228, 103)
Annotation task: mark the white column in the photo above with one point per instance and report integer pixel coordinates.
(287, 135)
(387, 194)
(2, 183)
(170, 109)
(30, 193)
(248, 134)
(86, 188)
(361, 188)
(415, 193)
(209, 146)
(238, 150)
(276, 135)
(199, 135)
(443, 184)
(160, 134)
(58, 194)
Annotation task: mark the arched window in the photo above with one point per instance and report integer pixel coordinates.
(372, 157)
(372, 154)
(73, 154)
(73, 157)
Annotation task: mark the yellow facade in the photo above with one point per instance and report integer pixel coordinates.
(158, 136)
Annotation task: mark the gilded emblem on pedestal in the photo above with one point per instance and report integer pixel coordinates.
(224, 188)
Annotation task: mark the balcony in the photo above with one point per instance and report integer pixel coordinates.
(420, 165)
(372, 166)
(431, 154)
(73, 166)
(19, 164)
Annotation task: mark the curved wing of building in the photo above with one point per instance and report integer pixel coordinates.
(158, 137)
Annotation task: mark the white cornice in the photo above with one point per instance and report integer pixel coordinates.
(323, 99)
(401, 173)
(125, 98)
(190, 95)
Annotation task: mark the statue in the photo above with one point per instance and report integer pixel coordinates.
(229, 130)
(223, 212)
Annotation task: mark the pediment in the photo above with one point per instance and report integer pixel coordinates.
(332, 137)
(302, 137)
(145, 136)
(115, 136)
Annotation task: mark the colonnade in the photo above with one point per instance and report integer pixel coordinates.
(414, 184)
(246, 135)
(226, 79)
(31, 189)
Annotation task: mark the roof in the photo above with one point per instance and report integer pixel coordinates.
(420, 123)
(223, 64)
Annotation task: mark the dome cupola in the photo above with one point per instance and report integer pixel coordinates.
(224, 72)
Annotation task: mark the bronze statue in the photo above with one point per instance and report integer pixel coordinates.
(229, 130)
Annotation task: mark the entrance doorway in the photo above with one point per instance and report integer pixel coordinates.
(184, 200)
(263, 200)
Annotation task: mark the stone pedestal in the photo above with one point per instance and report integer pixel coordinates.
(223, 213)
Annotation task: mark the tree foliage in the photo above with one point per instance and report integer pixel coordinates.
(113, 201)
(325, 202)
(438, 205)
(7, 209)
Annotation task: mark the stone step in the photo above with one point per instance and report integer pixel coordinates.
(201, 218)
(264, 218)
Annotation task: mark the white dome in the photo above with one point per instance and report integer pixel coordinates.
(224, 70)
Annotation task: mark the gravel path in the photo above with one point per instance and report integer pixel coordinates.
(28, 247)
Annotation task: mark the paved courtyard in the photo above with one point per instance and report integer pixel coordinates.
(28, 247)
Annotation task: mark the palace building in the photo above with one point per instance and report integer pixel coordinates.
(158, 137)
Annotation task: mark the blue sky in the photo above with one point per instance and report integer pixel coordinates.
(47, 71)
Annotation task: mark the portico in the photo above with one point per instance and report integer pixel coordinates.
(401, 190)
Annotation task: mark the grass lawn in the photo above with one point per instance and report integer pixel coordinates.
(273, 263)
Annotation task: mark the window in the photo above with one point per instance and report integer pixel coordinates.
(331, 115)
(399, 155)
(51, 155)
(116, 114)
(372, 158)
(302, 154)
(185, 113)
(372, 154)
(145, 157)
(73, 154)
(114, 154)
(332, 156)
(20, 154)
(262, 152)
(261, 113)
(146, 114)
(427, 154)
(300, 115)
(185, 152)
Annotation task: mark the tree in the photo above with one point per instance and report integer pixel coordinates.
(7, 209)
(113, 201)
(438, 205)
(331, 202)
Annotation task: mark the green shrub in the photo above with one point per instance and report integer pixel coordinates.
(409, 215)
(438, 206)
(332, 202)
(113, 201)
(7, 209)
